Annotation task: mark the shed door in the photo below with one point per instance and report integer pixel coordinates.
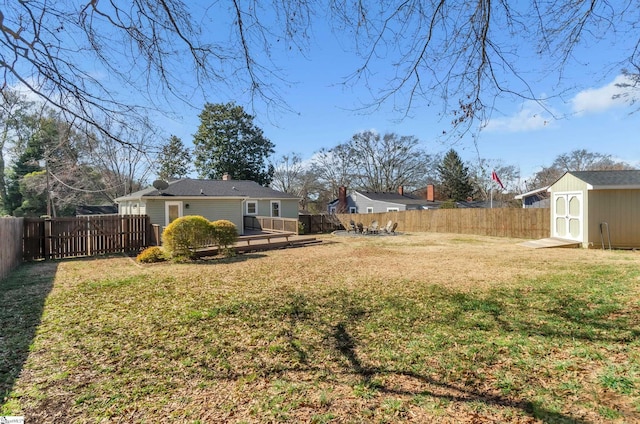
(567, 222)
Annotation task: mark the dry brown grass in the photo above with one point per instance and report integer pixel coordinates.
(412, 328)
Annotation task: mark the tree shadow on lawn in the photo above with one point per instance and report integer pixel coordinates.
(214, 260)
(564, 316)
(346, 345)
(22, 297)
(587, 325)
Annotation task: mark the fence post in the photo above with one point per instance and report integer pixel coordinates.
(46, 238)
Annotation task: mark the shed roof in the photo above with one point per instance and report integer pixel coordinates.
(188, 187)
(607, 180)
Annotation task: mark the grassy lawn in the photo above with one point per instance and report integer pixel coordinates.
(412, 328)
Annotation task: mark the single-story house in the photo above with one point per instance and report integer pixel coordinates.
(538, 198)
(213, 199)
(593, 207)
(359, 201)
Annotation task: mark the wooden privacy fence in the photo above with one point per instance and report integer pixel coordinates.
(527, 223)
(85, 236)
(10, 244)
(321, 223)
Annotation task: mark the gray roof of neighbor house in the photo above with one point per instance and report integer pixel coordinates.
(393, 197)
(609, 179)
(210, 188)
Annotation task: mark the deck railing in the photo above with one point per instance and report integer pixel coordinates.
(267, 223)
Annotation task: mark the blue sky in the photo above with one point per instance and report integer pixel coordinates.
(521, 133)
(579, 112)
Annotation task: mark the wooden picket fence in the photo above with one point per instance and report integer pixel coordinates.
(85, 236)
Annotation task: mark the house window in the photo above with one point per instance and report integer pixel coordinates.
(252, 208)
(275, 208)
(392, 209)
(369, 209)
(352, 209)
(173, 211)
(332, 209)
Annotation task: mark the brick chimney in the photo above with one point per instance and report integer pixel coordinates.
(342, 199)
(401, 191)
(226, 177)
(430, 193)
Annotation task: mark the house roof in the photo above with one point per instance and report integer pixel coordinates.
(188, 187)
(532, 192)
(603, 180)
(393, 197)
(96, 209)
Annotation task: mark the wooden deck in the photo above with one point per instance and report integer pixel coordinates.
(257, 241)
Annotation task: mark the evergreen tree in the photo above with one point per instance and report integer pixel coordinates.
(228, 141)
(454, 177)
(174, 159)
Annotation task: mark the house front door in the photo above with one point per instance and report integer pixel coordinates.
(173, 211)
(567, 219)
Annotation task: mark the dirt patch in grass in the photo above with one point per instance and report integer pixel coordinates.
(412, 328)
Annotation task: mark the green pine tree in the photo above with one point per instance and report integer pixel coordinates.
(174, 160)
(228, 141)
(454, 177)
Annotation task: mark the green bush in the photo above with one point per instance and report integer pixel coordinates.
(225, 234)
(449, 204)
(151, 254)
(185, 235)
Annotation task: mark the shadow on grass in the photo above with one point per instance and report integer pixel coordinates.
(214, 260)
(22, 297)
(346, 345)
(562, 315)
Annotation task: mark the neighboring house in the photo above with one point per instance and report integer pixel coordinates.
(360, 201)
(96, 210)
(538, 198)
(483, 204)
(593, 207)
(213, 199)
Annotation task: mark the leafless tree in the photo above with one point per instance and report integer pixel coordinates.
(288, 172)
(335, 167)
(460, 51)
(123, 168)
(385, 162)
(577, 160)
(464, 52)
(486, 188)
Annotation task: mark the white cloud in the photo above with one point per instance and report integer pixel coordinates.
(531, 117)
(22, 89)
(595, 100)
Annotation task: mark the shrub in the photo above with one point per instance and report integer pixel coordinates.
(225, 234)
(183, 236)
(151, 254)
(449, 204)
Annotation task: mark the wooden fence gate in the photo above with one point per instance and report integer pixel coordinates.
(85, 236)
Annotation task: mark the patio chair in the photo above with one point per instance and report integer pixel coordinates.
(374, 228)
(393, 228)
(352, 226)
(387, 228)
(360, 227)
